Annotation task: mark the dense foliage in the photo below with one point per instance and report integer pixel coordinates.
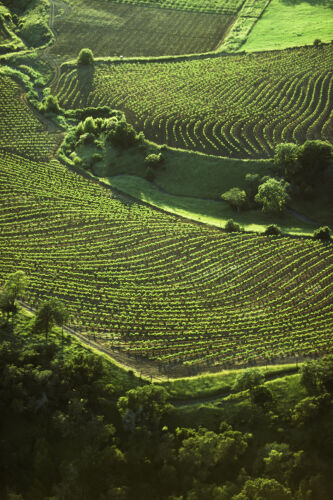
(69, 430)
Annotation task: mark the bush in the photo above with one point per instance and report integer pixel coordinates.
(317, 42)
(154, 160)
(232, 226)
(122, 134)
(322, 233)
(235, 197)
(50, 105)
(86, 57)
(273, 230)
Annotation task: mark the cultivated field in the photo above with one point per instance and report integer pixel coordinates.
(20, 129)
(110, 29)
(239, 106)
(153, 286)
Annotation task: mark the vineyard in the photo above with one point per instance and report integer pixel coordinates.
(251, 102)
(131, 30)
(20, 130)
(155, 287)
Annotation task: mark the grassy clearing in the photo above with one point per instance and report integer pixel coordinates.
(288, 23)
(214, 384)
(215, 213)
(132, 30)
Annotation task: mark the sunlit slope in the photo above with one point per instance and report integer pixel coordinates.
(238, 106)
(286, 23)
(157, 287)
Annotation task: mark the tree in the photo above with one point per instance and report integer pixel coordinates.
(86, 57)
(51, 312)
(315, 157)
(143, 406)
(252, 182)
(286, 159)
(50, 105)
(322, 233)
(272, 230)
(235, 197)
(317, 376)
(273, 195)
(232, 226)
(263, 489)
(248, 379)
(154, 160)
(14, 287)
(261, 396)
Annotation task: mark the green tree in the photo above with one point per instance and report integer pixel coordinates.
(154, 160)
(248, 379)
(51, 312)
(273, 195)
(272, 230)
(252, 182)
(322, 233)
(13, 288)
(143, 406)
(261, 396)
(232, 226)
(286, 159)
(235, 197)
(86, 57)
(315, 157)
(263, 489)
(50, 105)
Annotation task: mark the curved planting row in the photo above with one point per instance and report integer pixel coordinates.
(154, 286)
(236, 106)
(20, 130)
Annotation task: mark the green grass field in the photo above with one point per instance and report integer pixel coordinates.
(287, 23)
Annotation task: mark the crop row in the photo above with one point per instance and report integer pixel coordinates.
(237, 106)
(20, 130)
(153, 286)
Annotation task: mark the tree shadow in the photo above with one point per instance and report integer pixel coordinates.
(85, 79)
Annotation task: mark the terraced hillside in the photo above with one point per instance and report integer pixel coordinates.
(110, 28)
(237, 106)
(156, 287)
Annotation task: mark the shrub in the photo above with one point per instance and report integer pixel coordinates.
(235, 197)
(86, 57)
(322, 233)
(273, 230)
(154, 160)
(317, 42)
(232, 226)
(50, 105)
(122, 134)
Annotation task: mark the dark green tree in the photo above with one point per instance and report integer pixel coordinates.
(273, 195)
(322, 233)
(235, 197)
(248, 379)
(51, 312)
(13, 288)
(86, 57)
